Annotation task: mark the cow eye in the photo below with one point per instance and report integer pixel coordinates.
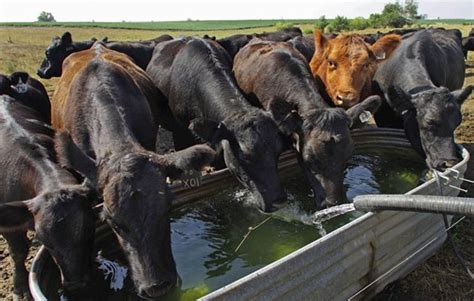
(431, 125)
(332, 64)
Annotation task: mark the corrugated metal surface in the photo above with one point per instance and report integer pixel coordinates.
(340, 264)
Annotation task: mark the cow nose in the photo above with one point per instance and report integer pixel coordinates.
(346, 98)
(445, 164)
(154, 291)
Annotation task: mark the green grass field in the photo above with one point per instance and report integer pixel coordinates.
(165, 25)
(197, 25)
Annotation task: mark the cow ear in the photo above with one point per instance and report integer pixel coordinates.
(209, 130)
(66, 38)
(73, 158)
(4, 84)
(370, 104)
(399, 100)
(385, 46)
(286, 118)
(192, 158)
(320, 41)
(462, 94)
(16, 77)
(15, 216)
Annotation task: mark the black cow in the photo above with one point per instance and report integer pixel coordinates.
(277, 77)
(305, 45)
(105, 107)
(233, 43)
(60, 48)
(36, 194)
(27, 90)
(467, 45)
(195, 74)
(417, 82)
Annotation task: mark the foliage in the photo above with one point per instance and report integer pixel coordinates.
(393, 15)
(308, 31)
(46, 17)
(340, 23)
(411, 9)
(283, 25)
(321, 23)
(359, 23)
(375, 20)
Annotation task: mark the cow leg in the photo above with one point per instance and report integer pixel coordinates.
(18, 246)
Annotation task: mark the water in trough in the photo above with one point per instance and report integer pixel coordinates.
(223, 238)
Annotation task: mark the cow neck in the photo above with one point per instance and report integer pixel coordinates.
(225, 101)
(113, 139)
(309, 97)
(79, 46)
(47, 174)
(141, 54)
(415, 81)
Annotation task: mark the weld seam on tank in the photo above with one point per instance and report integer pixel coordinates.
(417, 203)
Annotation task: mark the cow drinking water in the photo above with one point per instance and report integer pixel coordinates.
(276, 77)
(422, 86)
(105, 109)
(35, 193)
(195, 75)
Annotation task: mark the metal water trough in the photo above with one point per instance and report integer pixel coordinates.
(360, 258)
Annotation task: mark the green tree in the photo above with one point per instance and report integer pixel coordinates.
(322, 23)
(46, 17)
(393, 15)
(375, 20)
(411, 9)
(340, 23)
(359, 23)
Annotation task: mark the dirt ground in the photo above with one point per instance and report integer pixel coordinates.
(440, 278)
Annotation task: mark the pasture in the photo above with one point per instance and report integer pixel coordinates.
(22, 49)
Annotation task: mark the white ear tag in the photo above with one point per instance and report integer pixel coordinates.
(365, 116)
(21, 87)
(380, 56)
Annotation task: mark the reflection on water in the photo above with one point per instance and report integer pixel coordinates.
(205, 235)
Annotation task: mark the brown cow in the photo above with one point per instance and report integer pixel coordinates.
(106, 108)
(346, 65)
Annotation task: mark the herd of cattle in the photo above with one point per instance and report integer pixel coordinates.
(245, 97)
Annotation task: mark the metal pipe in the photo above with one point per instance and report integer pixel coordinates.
(417, 203)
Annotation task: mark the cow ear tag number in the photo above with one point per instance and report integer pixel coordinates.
(365, 116)
(191, 178)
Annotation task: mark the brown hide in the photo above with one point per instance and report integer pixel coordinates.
(347, 64)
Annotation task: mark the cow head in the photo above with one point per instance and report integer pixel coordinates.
(430, 118)
(346, 65)
(18, 85)
(136, 205)
(325, 145)
(64, 223)
(56, 53)
(251, 145)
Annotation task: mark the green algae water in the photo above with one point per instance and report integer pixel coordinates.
(213, 246)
